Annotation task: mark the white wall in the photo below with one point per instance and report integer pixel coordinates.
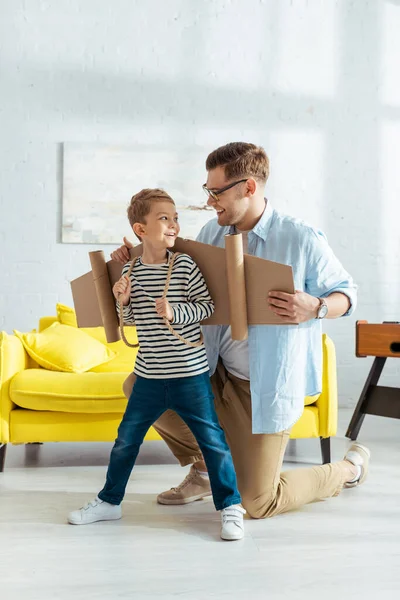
(315, 82)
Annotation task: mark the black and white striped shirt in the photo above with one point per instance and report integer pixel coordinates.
(161, 355)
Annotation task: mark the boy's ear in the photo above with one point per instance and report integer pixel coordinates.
(139, 229)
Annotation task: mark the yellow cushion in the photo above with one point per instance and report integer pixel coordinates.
(66, 315)
(64, 348)
(124, 362)
(39, 389)
(45, 322)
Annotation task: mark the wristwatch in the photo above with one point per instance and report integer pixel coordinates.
(322, 310)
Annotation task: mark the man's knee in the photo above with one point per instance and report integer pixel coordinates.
(127, 386)
(259, 507)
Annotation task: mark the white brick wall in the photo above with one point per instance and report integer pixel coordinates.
(315, 82)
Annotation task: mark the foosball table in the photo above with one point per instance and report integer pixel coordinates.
(381, 340)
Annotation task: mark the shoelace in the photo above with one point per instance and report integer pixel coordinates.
(189, 477)
(92, 503)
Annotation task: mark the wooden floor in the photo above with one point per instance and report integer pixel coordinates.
(344, 547)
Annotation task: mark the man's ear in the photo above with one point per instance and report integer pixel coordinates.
(251, 186)
(139, 229)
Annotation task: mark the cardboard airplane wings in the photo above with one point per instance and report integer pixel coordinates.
(238, 284)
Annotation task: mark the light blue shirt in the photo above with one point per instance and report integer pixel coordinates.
(285, 360)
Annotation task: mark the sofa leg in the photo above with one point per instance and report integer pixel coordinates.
(3, 448)
(325, 450)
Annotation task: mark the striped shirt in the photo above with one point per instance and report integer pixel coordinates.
(161, 355)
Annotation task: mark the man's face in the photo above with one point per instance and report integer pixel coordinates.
(232, 205)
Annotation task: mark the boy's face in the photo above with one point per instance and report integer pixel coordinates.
(161, 227)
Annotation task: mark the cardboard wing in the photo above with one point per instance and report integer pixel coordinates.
(238, 283)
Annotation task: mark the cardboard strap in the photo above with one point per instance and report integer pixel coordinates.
(166, 322)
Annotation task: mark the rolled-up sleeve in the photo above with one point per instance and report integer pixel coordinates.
(325, 274)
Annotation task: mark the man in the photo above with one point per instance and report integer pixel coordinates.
(260, 384)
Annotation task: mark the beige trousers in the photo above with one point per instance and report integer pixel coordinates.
(258, 458)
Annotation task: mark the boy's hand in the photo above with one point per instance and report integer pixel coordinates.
(122, 290)
(164, 309)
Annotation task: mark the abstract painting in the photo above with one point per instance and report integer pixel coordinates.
(99, 181)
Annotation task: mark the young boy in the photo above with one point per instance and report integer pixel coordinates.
(171, 373)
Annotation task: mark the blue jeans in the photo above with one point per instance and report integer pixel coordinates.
(192, 399)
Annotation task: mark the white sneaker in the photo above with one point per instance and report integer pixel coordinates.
(359, 456)
(232, 527)
(95, 510)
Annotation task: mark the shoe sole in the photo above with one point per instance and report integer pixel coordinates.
(72, 522)
(183, 500)
(233, 538)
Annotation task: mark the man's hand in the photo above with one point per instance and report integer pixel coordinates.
(294, 308)
(164, 309)
(122, 255)
(122, 290)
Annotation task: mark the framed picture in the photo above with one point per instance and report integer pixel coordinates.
(99, 181)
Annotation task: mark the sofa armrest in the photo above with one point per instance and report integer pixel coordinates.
(327, 402)
(13, 359)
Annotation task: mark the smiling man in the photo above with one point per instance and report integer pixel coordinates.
(260, 384)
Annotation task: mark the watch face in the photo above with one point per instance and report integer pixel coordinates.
(323, 311)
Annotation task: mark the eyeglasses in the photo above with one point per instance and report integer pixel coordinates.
(214, 194)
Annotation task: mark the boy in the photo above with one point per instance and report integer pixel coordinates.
(171, 372)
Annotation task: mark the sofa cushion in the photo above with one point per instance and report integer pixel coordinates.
(66, 315)
(45, 322)
(124, 361)
(64, 348)
(39, 389)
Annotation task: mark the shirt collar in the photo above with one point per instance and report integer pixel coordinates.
(261, 228)
(169, 255)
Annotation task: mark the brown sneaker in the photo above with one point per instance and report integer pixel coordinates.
(193, 487)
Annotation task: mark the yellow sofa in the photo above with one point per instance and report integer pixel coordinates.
(38, 405)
